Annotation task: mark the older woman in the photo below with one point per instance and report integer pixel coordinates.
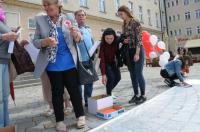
(54, 37)
(5, 37)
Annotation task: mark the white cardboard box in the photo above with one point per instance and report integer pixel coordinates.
(99, 102)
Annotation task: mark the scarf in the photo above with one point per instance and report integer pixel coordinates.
(2, 15)
(52, 51)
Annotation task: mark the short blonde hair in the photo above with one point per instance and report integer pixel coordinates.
(58, 2)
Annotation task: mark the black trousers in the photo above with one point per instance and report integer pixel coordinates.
(68, 79)
(166, 75)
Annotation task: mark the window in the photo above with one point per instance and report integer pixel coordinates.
(170, 19)
(31, 23)
(130, 5)
(198, 29)
(83, 3)
(179, 17)
(157, 21)
(102, 5)
(155, 2)
(175, 32)
(65, 1)
(179, 31)
(174, 18)
(172, 3)
(189, 31)
(187, 16)
(12, 19)
(186, 2)
(117, 5)
(197, 12)
(171, 33)
(168, 5)
(149, 17)
(141, 14)
(176, 2)
(196, 1)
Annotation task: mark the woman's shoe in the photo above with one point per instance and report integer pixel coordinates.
(141, 100)
(49, 112)
(81, 122)
(68, 110)
(133, 99)
(61, 127)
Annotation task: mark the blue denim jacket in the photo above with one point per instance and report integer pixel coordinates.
(173, 67)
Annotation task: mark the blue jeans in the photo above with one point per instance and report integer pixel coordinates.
(113, 77)
(136, 73)
(88, 88)
(4, 94)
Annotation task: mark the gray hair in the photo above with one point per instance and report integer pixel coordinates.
(78, 11)
(59, 2)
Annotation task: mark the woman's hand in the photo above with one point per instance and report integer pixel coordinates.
(75, 34)
(11, 36)
(50, 41)
(104, 79)
(126, 41)
(136, 57)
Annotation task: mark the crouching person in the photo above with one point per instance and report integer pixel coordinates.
(173, 71)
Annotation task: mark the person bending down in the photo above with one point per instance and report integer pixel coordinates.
(173, 71)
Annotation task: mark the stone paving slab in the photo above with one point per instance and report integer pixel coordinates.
(28, 112)
(176, 110)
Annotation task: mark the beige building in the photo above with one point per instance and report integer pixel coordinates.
(183, 21)
(101, 14)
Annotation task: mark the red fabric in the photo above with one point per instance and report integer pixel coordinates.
(107, 55)
(146, 43)
(12, 92)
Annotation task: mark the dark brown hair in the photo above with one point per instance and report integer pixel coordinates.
(126, 10)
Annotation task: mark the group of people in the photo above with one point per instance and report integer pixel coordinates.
(61, 47)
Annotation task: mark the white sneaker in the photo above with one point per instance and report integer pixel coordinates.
(185, 85)
(81, 122)
(61, 127)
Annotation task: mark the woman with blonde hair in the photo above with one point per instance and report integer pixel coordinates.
(55, 39)
(132, 39)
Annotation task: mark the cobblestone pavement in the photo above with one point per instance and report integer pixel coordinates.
(29, 109)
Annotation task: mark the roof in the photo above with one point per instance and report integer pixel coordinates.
(195, 43)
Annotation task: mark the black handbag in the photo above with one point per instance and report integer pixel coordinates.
(87, 73)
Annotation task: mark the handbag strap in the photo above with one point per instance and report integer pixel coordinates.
(87, 50)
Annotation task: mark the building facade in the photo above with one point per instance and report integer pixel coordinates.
(101, 14)
(183, 21)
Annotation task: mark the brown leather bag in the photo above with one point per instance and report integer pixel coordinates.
(21, 60)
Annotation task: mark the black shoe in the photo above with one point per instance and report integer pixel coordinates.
(141, 100)
(169, 83)
(134, 98)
